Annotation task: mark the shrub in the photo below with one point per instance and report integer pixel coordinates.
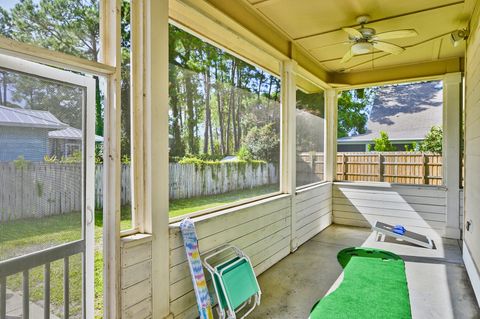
(383, 144)
(244, 154)
(433, 141)
(21, 162)
(263, 143)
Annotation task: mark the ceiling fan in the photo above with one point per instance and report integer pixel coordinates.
(364, 39)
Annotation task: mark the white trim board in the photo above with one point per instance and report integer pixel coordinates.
(472, 271)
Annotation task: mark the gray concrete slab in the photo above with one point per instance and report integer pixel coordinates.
(437, 280)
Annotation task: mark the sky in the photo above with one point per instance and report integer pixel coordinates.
(8, 4)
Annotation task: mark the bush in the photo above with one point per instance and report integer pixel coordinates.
(244, 154)
(433, 141)
(383, 144)
(21, 162)
(263, 143)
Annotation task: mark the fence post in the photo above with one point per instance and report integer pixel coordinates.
(424, 170)
(380, 168)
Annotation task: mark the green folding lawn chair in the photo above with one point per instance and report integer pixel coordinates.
(234, 280)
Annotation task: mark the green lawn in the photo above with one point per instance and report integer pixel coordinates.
(29, 235)
(180, 207)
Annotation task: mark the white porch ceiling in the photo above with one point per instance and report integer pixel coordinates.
(315, 25)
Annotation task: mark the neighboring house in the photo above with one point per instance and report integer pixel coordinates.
(25, 132)
(34, 134)
(405, 112)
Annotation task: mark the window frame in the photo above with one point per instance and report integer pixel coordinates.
(441, 78)
(248, 201)
(65, 77)
(324, 180)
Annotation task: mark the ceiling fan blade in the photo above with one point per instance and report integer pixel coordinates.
(354, 33)
(388, 47)
(347, 56)
(397, 34)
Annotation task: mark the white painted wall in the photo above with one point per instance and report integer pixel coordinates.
(313, 210)
(472, 154)
(419, 208)
(136, 276)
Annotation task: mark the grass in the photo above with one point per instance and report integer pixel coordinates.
(185, 206)
(28, 235)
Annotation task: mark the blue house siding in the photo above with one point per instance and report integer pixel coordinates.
(32, 143)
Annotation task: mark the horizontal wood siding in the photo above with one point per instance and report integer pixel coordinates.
(261, 230)
(136, 279)
(313, 211)
(417, 207)
(461, 209)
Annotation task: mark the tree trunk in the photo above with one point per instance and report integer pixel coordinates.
(176, 149)
(192, 147)
(208, 123)
(231, 105)
(220, 111)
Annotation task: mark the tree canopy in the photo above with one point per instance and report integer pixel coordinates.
(353, 110)
(218, 102)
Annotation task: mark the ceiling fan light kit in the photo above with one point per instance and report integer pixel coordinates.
(361, 47)
(364, 39)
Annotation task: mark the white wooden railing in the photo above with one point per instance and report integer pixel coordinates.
(23, 264)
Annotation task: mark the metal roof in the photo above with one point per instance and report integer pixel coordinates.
(405, 112)
(70, 133)
(29, 118)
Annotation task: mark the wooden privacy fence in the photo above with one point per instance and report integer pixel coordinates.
(310, 166)
(392, 167)
(188, 180)
(39, 190)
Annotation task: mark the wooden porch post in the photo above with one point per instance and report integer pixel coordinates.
(155, 119)
(452, 100)
(331, 103)
(111, 55)
(288, 141)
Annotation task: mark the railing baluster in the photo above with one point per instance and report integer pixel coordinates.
(46, 292)
(66, 288)
(3, 298)
(26, 295)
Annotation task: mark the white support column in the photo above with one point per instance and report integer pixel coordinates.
(288, 141)
(331, 104)
(452, 100)
(156, 149)
(111, 55)
(136, 121)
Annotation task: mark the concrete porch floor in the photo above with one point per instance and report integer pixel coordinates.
(437, 280)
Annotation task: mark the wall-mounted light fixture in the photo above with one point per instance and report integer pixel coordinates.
(458, 35)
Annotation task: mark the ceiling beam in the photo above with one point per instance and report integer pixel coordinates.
(263, 3)
(381, 19)
(397, 74)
